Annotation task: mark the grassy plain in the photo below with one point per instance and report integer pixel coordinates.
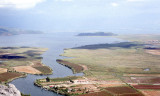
(102, 63)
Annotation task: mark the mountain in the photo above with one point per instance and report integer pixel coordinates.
(97, 34)
(5, 31)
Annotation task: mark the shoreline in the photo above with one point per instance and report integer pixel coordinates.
(74, 67)
(10, 80)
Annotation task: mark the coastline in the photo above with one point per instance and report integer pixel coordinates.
(74, 67)
(10, 80)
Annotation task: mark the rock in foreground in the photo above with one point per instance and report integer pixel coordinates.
(9, 90)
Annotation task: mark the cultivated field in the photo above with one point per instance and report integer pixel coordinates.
(22, 59)
(151, 92)
(8, 76)
(102, 93)
(27, 69)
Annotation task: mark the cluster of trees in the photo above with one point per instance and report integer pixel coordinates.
(48, 79)
(24, 94)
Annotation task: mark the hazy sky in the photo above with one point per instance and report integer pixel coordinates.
(119, 16)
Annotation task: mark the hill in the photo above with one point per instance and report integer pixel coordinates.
(5, 31)
(97, 34)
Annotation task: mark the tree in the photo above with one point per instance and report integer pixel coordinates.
(48, 79)
(73, 90)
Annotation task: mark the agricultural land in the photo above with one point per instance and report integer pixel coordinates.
(17, 62)
(118, 69)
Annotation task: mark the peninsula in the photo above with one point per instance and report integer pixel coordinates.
(17, 62)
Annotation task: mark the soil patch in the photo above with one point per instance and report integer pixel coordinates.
(9, 75)
(146, 86)
(147, 80)
(154, 52)
(151, 92)
(102, 93)
(121, 90)
(27, 69)
(3, 70)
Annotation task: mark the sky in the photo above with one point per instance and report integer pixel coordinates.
(117, 16)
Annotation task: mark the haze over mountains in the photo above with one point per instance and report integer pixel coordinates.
(5, 31)
(97, 34)
(118, 16)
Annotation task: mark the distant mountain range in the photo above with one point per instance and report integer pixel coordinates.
(5, 31)
(97, 34)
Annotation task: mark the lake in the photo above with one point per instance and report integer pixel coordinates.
(55, 42)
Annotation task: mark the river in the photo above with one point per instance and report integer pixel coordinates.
(55, 42)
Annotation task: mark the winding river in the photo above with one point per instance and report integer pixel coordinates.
(55, 43)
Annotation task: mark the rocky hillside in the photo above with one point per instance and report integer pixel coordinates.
(9, 90)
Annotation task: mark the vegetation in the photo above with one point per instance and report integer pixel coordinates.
(125, 45)
(48, 79)
(75, 67)
(69, 78)
(44, 69)
(24, 94)
(103, 62)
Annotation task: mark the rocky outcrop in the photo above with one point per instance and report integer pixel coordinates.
(9, 90)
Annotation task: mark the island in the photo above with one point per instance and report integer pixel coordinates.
(119, 69)
(6, 31)
(97, 34)
(16, 62)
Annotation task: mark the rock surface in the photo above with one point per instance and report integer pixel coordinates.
(9, 90)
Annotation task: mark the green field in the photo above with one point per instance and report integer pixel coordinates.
(107, 62)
